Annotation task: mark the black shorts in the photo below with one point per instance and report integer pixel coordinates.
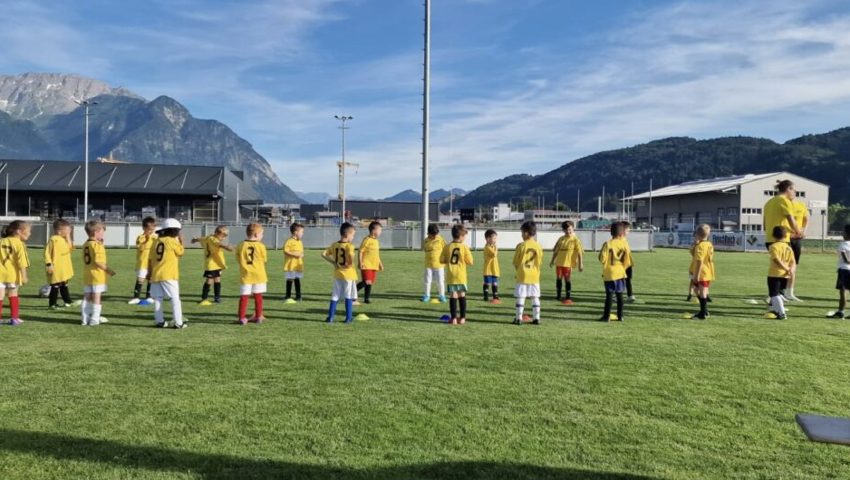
(843, 281)
(797, 248)
(776, 285)
(212, 273)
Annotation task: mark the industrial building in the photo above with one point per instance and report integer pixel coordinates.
(728, 203)
(392, 212)
(123, 191)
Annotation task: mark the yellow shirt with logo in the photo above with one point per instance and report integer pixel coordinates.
(57, 252)
(342, 254)
(143, 250)
(93, 253)
(491, 261)
(801, 213)
(13, 260)
(703, 252)
(434, 251)
(456, 256)
(165, 259)
(780, 251)
(776, 212)
(528, 258)
(370, 249)
(252, 256)
(615, 257)
(290, 263)
(213, 253)
(568, 251)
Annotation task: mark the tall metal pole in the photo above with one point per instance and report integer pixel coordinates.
(426, 120)
(342, 119)
(86, 170)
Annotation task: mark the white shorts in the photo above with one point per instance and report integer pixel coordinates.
(166, 289)
(94, 289)
(252, 288)
(526, 290)
(10, 286)
(344, 289)
(142, 273)
(294, 275)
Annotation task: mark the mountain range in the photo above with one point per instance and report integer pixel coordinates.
(824, 158)
(39, 119)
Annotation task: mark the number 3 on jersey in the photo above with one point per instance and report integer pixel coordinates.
(340, 257)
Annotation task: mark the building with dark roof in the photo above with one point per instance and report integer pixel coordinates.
(119, 191)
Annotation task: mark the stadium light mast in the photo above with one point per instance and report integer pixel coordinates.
(426, 120)
(343, 164)
(86, 104)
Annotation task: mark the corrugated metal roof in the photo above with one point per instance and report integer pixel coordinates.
(701, 186)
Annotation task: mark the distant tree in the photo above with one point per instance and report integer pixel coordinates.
(839, 215)
(560, 207)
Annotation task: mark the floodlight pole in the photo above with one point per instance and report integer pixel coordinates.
(426, 120)
(86, 104)
(342, 119)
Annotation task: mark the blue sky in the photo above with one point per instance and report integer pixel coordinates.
(518, 85)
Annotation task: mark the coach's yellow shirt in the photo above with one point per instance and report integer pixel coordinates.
(93, 253)
(703, 252)
(780, 251)
(342, 254)
(290, 263)
(491, 261)
(165, 259)
(57, 252)
(456, 256)
(433, 248)
(776, 212)
(614, 256)
(252, 257)
(143, 250)
(370, 249)
(213, 253)
(801, 213)
(568, 251)
(528, 258)
(13, 260)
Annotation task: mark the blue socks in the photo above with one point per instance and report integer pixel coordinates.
(332, 311)
(349, 310)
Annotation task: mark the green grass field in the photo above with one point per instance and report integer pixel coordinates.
(403, 396)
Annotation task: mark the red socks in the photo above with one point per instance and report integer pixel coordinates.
(258, 305)
(243, 306)
(15, 306)
(1, 308)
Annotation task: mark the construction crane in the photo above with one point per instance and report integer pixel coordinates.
(342, 166)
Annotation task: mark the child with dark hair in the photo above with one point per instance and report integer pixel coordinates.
(14, 262)
(293, 262)
(630, 294)
(164, 272)
(614, 256)
(214, 263)
(95, 271)
(457, 257)
(567, 255)
(144, 242)
(370, 260)
(433, 246)
(842, 284)
(782, 267)
(341, 255)
(491, 266)
(528, 258)
(58, 264)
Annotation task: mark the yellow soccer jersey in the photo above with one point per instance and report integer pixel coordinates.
(13, 260)
(456, 256)
(93, 253)
(568, 251)
(213, 253)
(780, 251)
(370, 249)
(290, 263)
(342, 254)
(433, 251)
(252, 257)
(143, 250)
(614, 257)
(57, 252)
(704, 252)
(165, 259)
(691, 251)
(776, 212)
(491, 261)
(528, 258)
(801, 213)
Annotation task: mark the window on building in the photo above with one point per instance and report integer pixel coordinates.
(801, 194)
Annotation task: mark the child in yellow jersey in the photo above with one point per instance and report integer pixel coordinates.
(702, 268)
(782, 267)
(14, 262)
(164, 272)
(433, 246)
(457, 256)
(341, 255)
(491, 266)
(144, 242)
(630, 294)
(95, 271)
(214, 263)
(567, 255)
(528, 258)
(252, 256)
(614, 257)
(58, 264)
(293, 262)
(370, 260)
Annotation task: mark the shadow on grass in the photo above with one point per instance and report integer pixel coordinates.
(212, 466)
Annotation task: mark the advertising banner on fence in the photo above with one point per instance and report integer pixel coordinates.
(732, 241)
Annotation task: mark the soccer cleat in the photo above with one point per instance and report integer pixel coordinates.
(838, 314)
(298, 299)
(75, 303)
(425, 299)
(782, 317)
(698, 316)
(631, 299)
(349, 320)
(242, 321)
(217, 300)
(181, 326)
(535, 321)
(104, 320)
(161, 325)
(134, 301)
(603, 318)
(567, 301)
(205, 303)
(145, 302)
(453, 321)
(55, 307)
(15, 322)
(289, 301)
(690, 298)
(443, 299)
(496, 301)
(461, 321)
(329, 320)
(367, 301)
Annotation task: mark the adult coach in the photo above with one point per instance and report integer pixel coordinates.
(779, 211)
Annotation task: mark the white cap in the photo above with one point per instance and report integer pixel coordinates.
(170, 223)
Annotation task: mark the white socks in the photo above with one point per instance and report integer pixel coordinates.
(535, 305)
(84, 309)
(778, 305)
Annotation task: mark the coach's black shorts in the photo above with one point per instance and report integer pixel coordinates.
(797, 248)
(212, 273)
(776, 285)
(843, 281)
